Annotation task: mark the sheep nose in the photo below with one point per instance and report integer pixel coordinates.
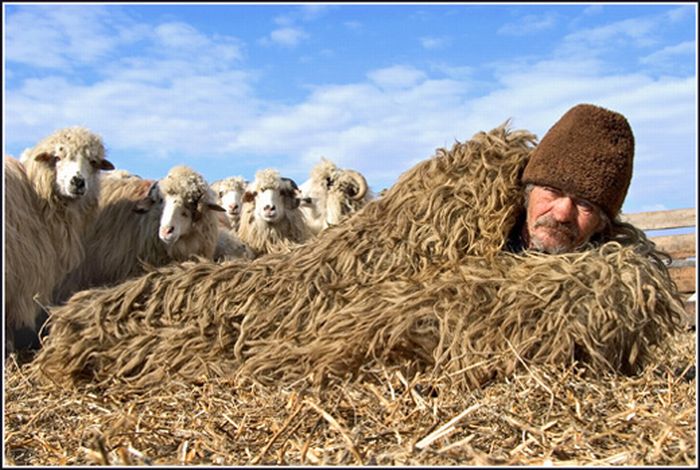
(77, 183)
(165, 231)
(269, 208)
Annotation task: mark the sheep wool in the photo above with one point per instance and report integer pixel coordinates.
(418, 279)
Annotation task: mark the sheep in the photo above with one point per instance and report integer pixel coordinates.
(145, 222)
(50, 196)
(271, 221)
(330, 194)
(229, 192)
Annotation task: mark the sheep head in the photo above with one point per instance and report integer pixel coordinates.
(229, 192)
(185, 197)
(73, 157)
(271, 195)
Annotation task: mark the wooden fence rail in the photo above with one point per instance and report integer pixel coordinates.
(681, 247)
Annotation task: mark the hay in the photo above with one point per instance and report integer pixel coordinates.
(540, 415)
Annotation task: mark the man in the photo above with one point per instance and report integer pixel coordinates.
(576, 181)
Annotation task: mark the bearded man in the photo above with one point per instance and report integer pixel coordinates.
(575, 182)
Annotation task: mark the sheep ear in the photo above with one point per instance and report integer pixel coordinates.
(249, 196)
(144, 204)
(215, 207)
(45, 157)
(105, 165)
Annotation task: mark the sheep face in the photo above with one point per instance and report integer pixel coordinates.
(273, 197)
(75, 163)
(231, 201)
(269, 206)
(175, 220)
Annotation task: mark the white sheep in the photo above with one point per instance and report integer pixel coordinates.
(271, 221)
(50, 196)
(229, 192)
(146, 223)
(330, 194)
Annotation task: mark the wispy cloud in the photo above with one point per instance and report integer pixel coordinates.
(399, 76)
(48, 37)
(593, 10)
(635, 31)
(681, 13)
(669, 53)
(287, 37)
(432, 42)
(529, 24)
(353, 25)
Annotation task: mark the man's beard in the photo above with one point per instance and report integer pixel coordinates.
(566, 230)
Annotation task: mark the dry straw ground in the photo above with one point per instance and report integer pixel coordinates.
(540, 415)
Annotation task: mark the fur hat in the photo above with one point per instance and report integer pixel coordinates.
(588, 153)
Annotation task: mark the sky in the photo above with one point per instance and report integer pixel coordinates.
(229, 89)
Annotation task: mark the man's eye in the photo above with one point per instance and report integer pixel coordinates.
(584, 206)
(552, 191)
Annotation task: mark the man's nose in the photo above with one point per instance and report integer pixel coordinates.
(564, 209)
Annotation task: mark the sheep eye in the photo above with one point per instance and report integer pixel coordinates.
(329, 182)
(221, 194)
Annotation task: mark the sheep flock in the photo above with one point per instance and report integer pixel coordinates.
(76, 222)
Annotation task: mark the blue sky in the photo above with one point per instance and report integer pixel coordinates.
(232, 88)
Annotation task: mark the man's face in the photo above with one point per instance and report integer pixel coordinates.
(558, 222)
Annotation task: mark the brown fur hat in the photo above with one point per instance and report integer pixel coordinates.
(588, 153)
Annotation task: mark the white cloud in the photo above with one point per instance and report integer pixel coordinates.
(681, 13)
(432, 42)
(398, 76)
(311, 11)
(529, 24)
(287, 37)
(638, 31)
(61, 37)
(670, 53)
(353, 25)
(179, 35)
(593, 10)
